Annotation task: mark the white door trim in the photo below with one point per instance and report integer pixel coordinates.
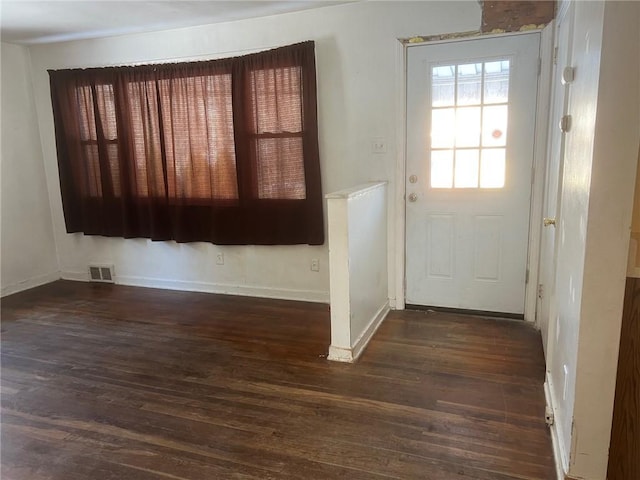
(397, 296)
(540, 145)
(399, 225)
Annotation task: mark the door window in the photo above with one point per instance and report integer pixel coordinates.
(469, 113)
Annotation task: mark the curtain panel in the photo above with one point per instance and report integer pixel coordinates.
(222, 151)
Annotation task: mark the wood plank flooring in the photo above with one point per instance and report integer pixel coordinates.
(113, 382)
(624, 452)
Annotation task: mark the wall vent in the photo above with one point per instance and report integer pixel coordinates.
(101, 273)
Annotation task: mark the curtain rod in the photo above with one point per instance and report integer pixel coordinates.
(163, 60)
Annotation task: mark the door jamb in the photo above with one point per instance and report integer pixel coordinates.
(398, 278)
(538, 175)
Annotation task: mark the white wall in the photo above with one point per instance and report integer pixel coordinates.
(28, 250)
(358, 265)
(356, 64)
(368, 280)
(616, 141)
(572, 226)
(595, 220)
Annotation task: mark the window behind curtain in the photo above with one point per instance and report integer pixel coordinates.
(222, 151)
(277, 127)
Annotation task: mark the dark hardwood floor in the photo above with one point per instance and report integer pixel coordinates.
(624, 451)
(112, 382)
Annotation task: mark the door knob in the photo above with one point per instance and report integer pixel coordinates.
(413, 197)
(549, 221)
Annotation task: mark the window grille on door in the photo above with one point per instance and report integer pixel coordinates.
(469, 113)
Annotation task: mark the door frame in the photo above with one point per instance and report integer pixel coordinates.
(398, 282)
(564, 18)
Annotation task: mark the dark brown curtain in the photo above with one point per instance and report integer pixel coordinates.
(223, 151)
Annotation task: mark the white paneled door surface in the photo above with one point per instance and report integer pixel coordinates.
(470, 130)
(545, 307)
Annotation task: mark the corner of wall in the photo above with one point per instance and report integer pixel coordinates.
(34, 106)
(29, 254)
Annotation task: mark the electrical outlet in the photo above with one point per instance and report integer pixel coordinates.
(315, 265)
(219, 258)
(378, 145)
(548, 416)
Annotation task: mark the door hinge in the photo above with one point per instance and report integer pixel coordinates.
(539, 66)
(555, 55)
(540, 290)
(526, 277)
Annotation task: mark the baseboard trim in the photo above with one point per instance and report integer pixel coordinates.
(29, 283)
(365, 337)
(340, 354)
(558, 449)
(350, 355)
(75, 276)
(315, 296)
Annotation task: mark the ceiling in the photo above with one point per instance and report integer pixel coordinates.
(30, 22)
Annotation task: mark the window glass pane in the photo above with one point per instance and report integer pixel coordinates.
(281, 168)
(469, 84)
(494, 126)
(84, 99)
(492, 168)
(276, 95)
(442, 168)
(277, 100)
(187, 173)
(92, 183)
(496, 81)
(221, 157)
(468, 127)
(443, 122)
(107, 110)
(197, 118)
(443, 86)
(114, 168)
(466, 169)
(461, 131)
(147, 165)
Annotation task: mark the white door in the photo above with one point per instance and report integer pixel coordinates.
(551, 208)
(470, 130)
